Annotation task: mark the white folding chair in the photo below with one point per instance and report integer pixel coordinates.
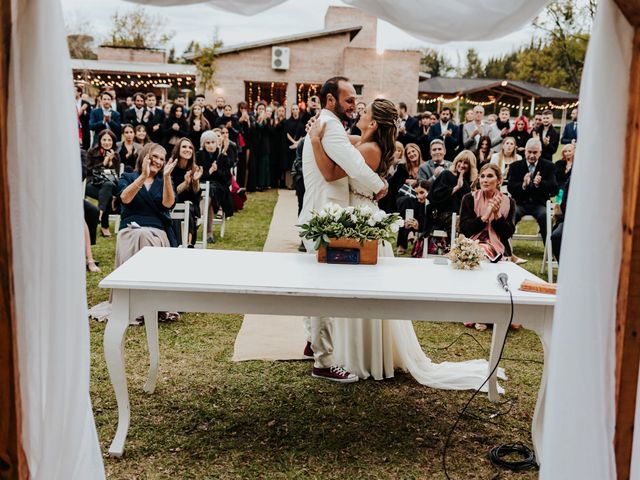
(181, 212)
(442, 234)
(204, 214)
(548, 262)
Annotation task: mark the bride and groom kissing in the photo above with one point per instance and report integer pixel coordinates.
(349, 171)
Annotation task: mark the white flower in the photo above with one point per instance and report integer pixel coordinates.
(371, 222)
(354, 218)
(366, 210)
(395, 227)
(350, 209)
(379, 216)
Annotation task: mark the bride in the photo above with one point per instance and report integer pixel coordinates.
(370, 347)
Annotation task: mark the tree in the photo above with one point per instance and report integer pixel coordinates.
(204, 58)
(80, 46)
(501, 66)
(473, 67)
(435, 63)
(140, 29)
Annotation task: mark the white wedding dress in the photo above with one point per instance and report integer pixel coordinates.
(376, 348)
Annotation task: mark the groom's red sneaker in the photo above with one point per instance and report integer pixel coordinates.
(308, 352)
(335, 374)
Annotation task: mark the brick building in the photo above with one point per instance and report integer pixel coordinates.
(292, 68)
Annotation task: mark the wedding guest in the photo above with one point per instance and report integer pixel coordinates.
(166, 109)
(430, 170)
(174, 127)
(547, 135)
(483, 152)
(138, 113)
(186, 178)
(104, 118)
(244, 159)
(503, 122)
(156, 117)
(415, 222)
(445, 195)
(423, 135)
(564, 166)
(293, 130)
(182, 101)
(228, 146)
(214, 162)
(277, 141)
(313, 107)
(353, 127)
(472, 131)
(395, 177)
(197, 124)
(506, 156)
(447, 131)
(409, 127)
(570, 133)
(103, 166)
(259, 176)
(531, 182)
(537, 122)
(91, 221)
(141, 135)
(521, 133)
(127, 148)
(409, 171)
(83, 110)
(215, 114)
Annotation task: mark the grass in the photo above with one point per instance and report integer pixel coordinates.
(211, 418)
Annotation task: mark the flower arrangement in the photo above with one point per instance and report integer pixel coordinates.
(466, 254)
(360, 223)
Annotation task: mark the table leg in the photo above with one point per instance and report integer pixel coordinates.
(114, 355)
(499, 336)
(151, 327)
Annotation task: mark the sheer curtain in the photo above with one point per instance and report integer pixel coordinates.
(59, 435)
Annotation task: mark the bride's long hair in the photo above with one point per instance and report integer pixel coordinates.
(385, 113)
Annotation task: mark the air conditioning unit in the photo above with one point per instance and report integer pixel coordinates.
(280, 58)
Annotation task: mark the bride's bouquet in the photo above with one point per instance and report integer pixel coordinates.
(466, 254)
(360, 223)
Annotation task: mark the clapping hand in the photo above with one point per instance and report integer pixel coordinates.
(175, 126)
(197, 175)
(460, 183)
(546, 140)
(527, 180)
(188, 177)
(537, 179)
(196, 125)
(496, 202)
(225, 144)
(214, 167)
(411, 223)
(437, 171)
(169, 166)
(146, 166)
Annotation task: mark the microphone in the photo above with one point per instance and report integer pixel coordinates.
(503, 281)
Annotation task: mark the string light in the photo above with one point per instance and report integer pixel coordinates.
(565, 106)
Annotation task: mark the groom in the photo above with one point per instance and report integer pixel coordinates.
(338, 102)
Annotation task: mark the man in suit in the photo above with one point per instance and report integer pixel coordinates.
(570, 133)
(104, 117)
(532, 182)
(155, 118)
(409, 130)
(430, 169)
(137, 114)
(548, 135)
(338, 100)
(83, 109)
(472, 131)
(446, 131)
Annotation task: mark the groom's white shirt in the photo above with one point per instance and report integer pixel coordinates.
(319, 192)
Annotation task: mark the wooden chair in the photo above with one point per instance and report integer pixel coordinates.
(181, 212)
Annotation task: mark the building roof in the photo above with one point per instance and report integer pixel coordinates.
(465, 86)
(134, 67)
(352, 30)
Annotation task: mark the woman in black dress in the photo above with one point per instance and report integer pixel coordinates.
(197, 124)
(127, 148)
(521, 133)
(174, 127)
(186, 177)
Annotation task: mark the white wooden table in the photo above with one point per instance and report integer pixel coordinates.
(195, 280)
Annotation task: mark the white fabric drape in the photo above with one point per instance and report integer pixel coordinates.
(59, 435)
(454, 20)
(243, 7)
(579, 421)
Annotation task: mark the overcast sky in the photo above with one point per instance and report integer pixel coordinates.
(198, 22)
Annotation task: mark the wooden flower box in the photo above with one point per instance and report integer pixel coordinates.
(350, 251)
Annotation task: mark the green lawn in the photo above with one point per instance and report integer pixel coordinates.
(211, 418)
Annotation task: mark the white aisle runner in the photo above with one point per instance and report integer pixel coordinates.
(272, 337)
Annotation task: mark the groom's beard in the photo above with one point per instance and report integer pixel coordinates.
(341, 114)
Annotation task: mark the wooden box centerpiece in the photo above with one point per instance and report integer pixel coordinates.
(349, 234)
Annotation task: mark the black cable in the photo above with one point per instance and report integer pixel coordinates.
(497, 454)
(475, 393)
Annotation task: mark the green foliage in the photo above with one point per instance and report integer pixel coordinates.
(204, 58)
(473, 66)
(499, 67)
(80, 46)
(435, 63)
(139, 29)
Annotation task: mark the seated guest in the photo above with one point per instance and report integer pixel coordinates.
(447, 131)
(506, 156)
(430, 170)
(521, 133)
(488, 215)
(570, 133)
(127, 148)
(104, 118)
(548, 135)
(556, 234)
(472, 131)
(531, 182)
(174, 127)
(408, 172)
(228, 146)
(103, 167)
(564, 165)
(483, 152)
(155, 118)
(415, 222)
(197, 124)
(445, 195)
(91, 220)
(423, 135)
(138, 113)
(186, 178)
(395, 180)
(217, 170)
(142, 137)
